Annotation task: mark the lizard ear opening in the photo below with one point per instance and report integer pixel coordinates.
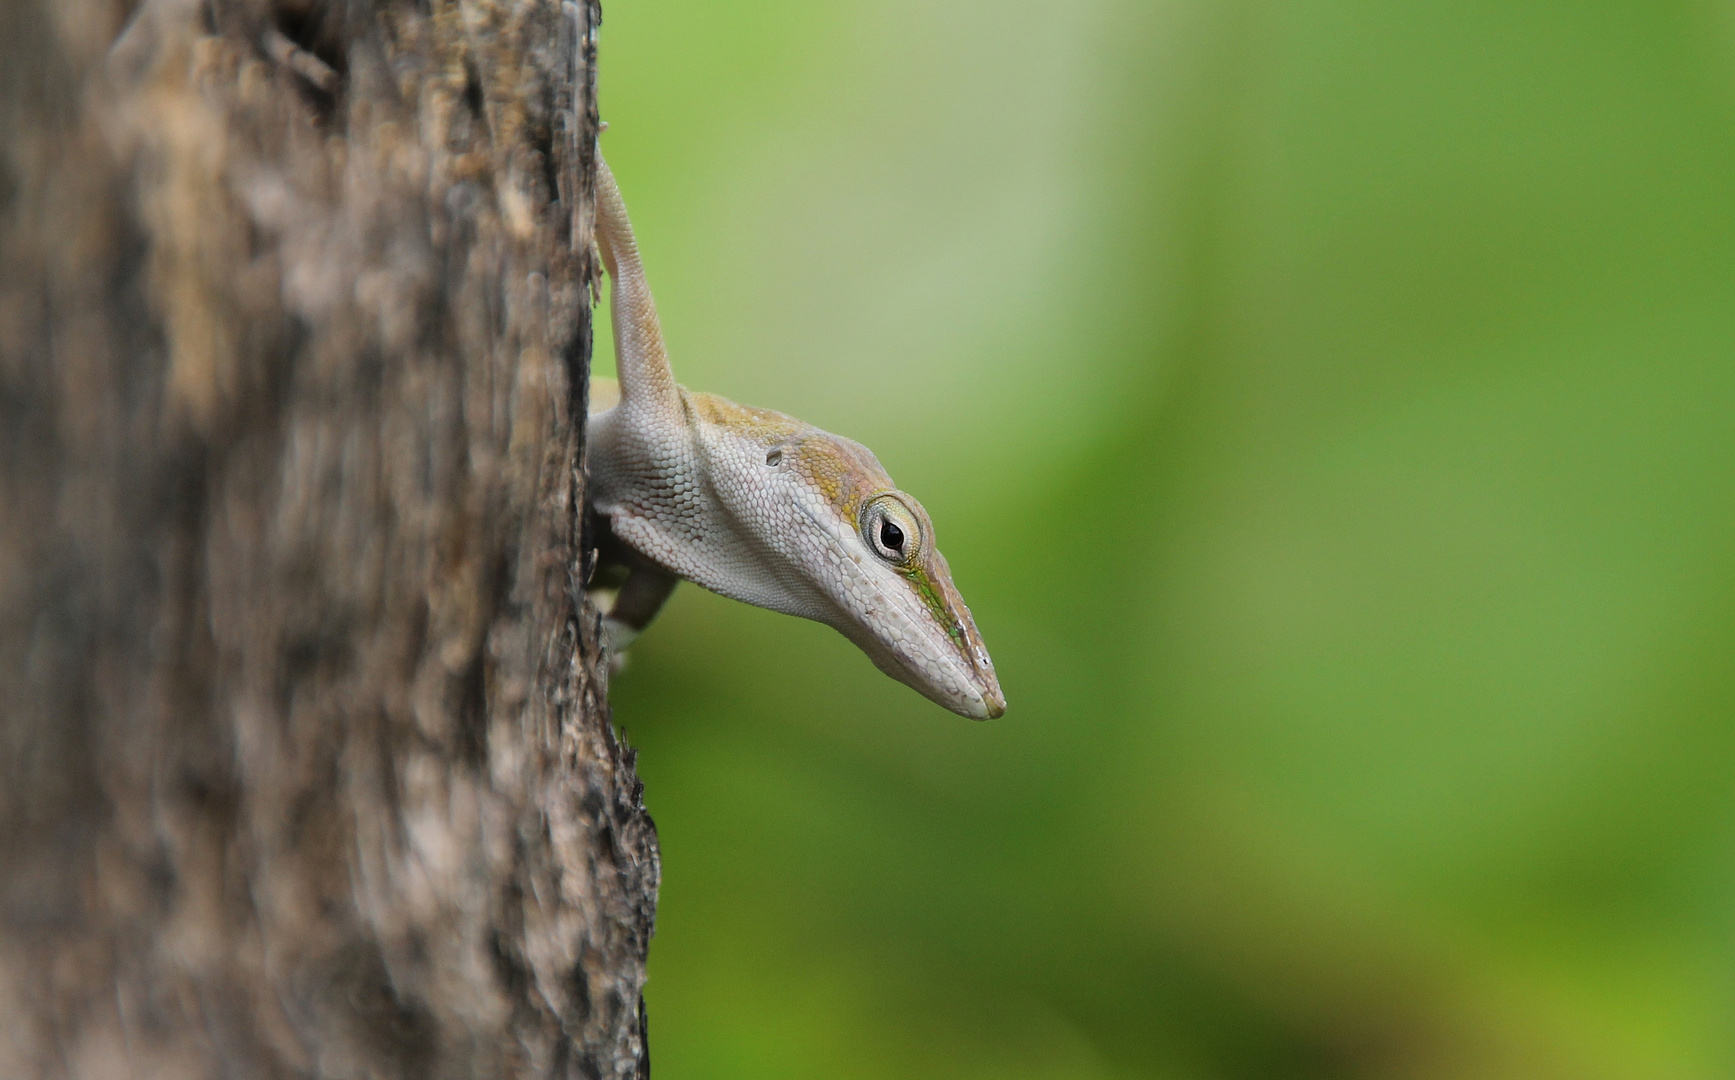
(773, 458)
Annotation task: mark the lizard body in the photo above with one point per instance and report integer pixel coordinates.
(763, 508)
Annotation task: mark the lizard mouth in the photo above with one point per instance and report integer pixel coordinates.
(990, 702)
(953, 684)
(931, 581)
(993, 703)
(981, 699)
(946, 663)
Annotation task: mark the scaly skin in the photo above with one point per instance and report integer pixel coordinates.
(763, 508)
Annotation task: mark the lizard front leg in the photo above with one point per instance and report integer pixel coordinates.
(641, 596)
(638, 586)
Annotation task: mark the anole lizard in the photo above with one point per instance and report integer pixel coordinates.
(763, 508)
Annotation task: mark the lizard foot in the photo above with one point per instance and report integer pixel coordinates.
(617, 636)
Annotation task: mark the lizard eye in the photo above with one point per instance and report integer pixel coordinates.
(890, 529)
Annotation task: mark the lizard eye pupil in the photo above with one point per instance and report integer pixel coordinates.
(891, 536)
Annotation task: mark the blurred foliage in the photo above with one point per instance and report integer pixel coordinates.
(1327, 410)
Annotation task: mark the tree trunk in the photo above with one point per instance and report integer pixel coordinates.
(305, 766)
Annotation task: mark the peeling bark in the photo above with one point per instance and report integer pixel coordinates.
(305, 764)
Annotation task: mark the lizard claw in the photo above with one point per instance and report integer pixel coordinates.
(616, 637)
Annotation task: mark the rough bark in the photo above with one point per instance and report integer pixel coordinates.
(305, 767)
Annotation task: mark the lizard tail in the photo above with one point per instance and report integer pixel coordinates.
(646, 380)
(614, 233)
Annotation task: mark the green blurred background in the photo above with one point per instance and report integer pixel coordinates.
(1329, 412)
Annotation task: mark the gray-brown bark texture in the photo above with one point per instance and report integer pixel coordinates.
(305, 769)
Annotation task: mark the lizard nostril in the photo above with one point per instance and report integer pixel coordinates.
(774, 457)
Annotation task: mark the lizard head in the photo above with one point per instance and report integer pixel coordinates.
(845, 547)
